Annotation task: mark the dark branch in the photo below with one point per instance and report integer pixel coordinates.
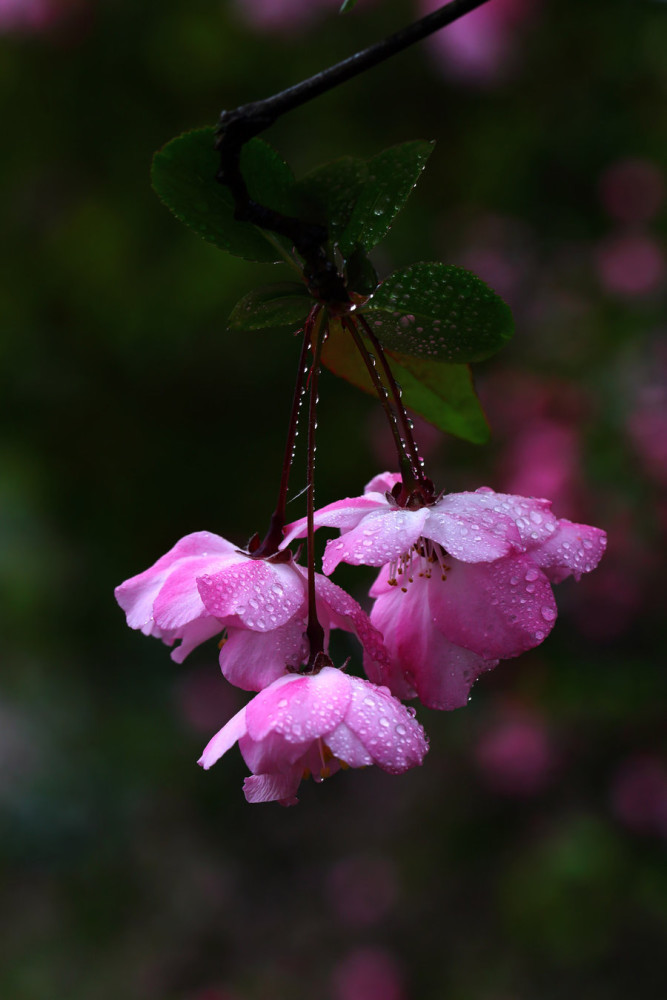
(236, 127)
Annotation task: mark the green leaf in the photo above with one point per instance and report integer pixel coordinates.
(284, 304)
(346, 5)
(329, 193)
(439, 312)
(361, 275)
(441, 393)
(391, 176)
(183, 176)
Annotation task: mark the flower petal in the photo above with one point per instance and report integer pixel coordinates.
(495, 609)
(343, 514)
(342, 611)
(272, 788)
(263, 595)
(392, 736)
(178, 601)
(346, 746)
(382, 483)
(137, 595)
(571, 549)
(378, 539)
(300, 708)
(472, 527)
(252, 660)
(225, 738)
(193, 634)
(423, 661)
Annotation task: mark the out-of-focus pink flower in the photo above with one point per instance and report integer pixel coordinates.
(648, 430)
(480, 47)
(205, 585)
(639, 795)
(465, 582)
(313, 725)
(34, 16)
(515, 754)
(201, 700)
(630, 264)
(632, 191)
(285, 16)
(538, 422)
(362, 889)
(544, 460)
(368, 974)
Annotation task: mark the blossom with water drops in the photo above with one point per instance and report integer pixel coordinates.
(313, 725)
(464, 582)
(205, 586)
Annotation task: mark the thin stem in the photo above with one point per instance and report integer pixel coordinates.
(314, 631)
(274, 536)
(404, 461)
(415, 461)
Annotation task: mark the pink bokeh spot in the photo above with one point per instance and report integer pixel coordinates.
(481, 47)
(362, 889)
(630, 265)
(304, 725)
(632, 191)
(639, 795)
(368, 974)
(515, 754)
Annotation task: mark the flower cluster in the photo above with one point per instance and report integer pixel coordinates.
(464, 581)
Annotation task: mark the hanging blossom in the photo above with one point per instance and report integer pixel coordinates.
(465, 581)
(205, 586)
(303, 725)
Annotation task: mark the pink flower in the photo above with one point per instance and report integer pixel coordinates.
(482, 46)
(315, 724)
(205, 585)
(516, 753)
(630, 264)
(465, 582)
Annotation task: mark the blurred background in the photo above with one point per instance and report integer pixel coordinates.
(526, 859)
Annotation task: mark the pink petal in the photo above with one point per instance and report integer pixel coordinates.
(347, 746)
(253, 660)
(300, 709)
(392, 736)
(472, 527)
(495, 609)
(273, 754)
(343, 514)
(178, 601)
(263, 595)
(193, 634)
(383, 483)
(378, 539)
(136, 595)
(571, 549)
(224, 739)
(423, 660)
(272, 788)
(343, 612)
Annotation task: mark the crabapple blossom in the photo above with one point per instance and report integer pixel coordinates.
(465, 581)
(302, 725)
(204, 585)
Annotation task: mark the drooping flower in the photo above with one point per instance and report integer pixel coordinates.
(204, 585)
(302, 725)
(465, 581)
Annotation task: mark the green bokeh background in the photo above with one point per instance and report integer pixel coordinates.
(131, 417)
